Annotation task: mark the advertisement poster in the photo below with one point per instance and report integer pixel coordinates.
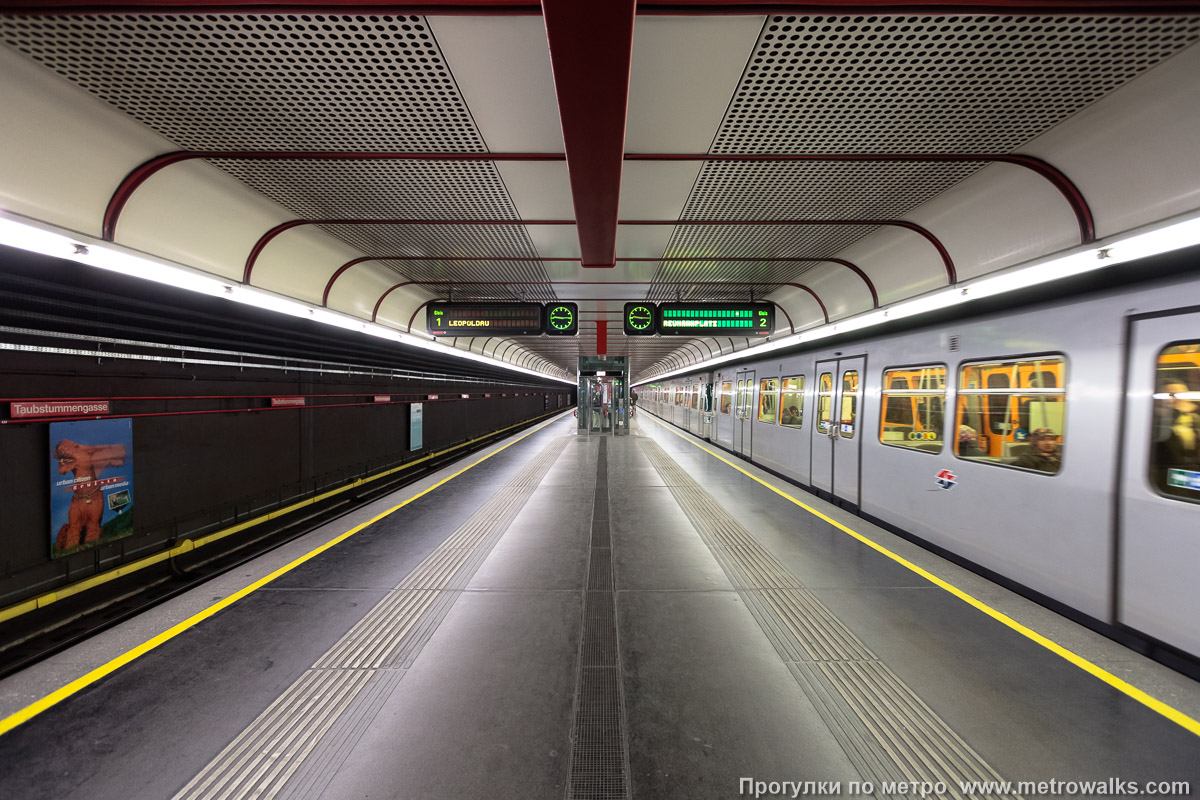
(416, 415)
(91, 483)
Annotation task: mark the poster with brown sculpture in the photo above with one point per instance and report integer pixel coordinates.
(91, 483)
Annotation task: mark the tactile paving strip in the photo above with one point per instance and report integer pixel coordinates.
(599, 759)
(347, 686)
(887, 731)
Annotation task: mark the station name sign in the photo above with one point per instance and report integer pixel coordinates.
(57, 408)
(699, 319)
(502, 319)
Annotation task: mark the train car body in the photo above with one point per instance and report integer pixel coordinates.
(1033, 443)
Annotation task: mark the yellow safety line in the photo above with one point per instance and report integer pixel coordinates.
(187, 545)
(37, 707)
(1173, 714)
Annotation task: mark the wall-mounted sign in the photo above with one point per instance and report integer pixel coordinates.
(287, 402)
(383, 398)
(716, 319)
(484, 319)
(91, 483)
(562, 319)
(57, 408)
(640, 319)
(416, 416)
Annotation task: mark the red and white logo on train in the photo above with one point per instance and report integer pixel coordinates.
(946, 479)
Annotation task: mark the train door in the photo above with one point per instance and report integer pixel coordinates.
(743, 411)
(836, 437)
(1158, 548)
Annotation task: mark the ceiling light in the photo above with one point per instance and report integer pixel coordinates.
(84, 250)
(1173, 236)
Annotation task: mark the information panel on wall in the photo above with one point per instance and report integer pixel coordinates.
(484, 319)
(562, 319)
(716, 319)
(640, 319)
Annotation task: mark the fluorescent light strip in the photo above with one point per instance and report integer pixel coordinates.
(84, 250)
(1173, 236)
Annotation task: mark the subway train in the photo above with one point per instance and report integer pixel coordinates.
(1051, 446)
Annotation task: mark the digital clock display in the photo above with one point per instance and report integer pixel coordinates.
(716, 319)
(640, 319)
(484, 319)
(562, 319)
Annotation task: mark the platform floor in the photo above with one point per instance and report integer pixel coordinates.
(600, 618)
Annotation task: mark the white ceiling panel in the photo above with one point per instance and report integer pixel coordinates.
(676, 100)
(642, 241)
(502, 68)
(539, 189)
(555, 241)
(656, 189)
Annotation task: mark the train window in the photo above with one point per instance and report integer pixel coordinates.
(768, 399)
(1175, 444)
(824, 402)
(791, 403)
(913, 408)
(849, 415)
(726, 396)
(1012, 413)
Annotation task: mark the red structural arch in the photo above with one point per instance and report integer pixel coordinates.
(266, 238)
(1060, 181)
(342, 269)
(412, 319)
(656, 8)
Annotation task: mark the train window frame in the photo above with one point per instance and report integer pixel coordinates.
(826, 407)
(726, 398)
(916, 445)
(1013, 393)
(797, 392)
(1156, 428)
(848, 430)
(768, 392)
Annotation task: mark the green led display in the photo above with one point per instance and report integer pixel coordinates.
(717, 319)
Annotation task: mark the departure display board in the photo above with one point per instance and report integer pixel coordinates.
(640, 319)
(562, 319)
(484, 319)
(716, 319)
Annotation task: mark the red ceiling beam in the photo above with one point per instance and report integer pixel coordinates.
(658, 8)
(947, 262)
(1065, 186)
(505, 259)
(591, 52)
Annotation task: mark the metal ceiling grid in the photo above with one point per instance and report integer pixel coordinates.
(933, 84)
(378, 189)
(290, 83)
(262, 82)
(749, 242)
(762, 279)
(818, 190)
(898, 85)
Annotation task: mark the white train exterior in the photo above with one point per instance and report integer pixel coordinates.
(1097, 536)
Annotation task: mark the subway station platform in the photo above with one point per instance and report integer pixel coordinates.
(597, 617)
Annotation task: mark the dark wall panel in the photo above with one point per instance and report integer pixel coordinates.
(198, 473)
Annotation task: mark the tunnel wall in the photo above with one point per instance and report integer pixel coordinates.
(195, 473)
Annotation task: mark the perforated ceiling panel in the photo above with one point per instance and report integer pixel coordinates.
(891, 84)
(310, 83)
(932, 84)
(749, 242)
(379, 189)
(818, 190)
(266, 82)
